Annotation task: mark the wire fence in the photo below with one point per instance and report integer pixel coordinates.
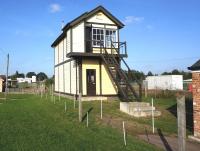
(161, 124)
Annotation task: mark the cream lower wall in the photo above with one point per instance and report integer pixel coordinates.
(56, 79)
(108, 86)
(90, 64)
(61, 86)
(65, 78)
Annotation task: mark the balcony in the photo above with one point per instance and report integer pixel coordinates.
(95, 48)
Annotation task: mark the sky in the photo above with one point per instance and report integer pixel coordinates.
(161, 35)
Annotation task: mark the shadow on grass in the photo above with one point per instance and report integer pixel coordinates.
(85, 115)
(188, 110)
(165, 143)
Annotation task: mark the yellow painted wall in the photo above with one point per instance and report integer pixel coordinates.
(90, 64)
(108, 86)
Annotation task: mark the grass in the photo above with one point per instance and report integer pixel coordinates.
(28, 122)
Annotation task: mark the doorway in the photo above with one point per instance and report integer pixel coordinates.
(91, 82)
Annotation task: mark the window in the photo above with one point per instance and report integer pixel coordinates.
(104, 36)
(97, 36)
(110, 35)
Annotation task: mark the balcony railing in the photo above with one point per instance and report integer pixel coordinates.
(111, 47)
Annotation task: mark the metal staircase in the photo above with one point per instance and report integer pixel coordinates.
(113, 60)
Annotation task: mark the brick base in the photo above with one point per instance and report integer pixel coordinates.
(196, 102)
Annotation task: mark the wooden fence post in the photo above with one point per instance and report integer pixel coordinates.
(152, 113)
(181, 123)
(124, 131)
(101, 108)
(87, 118)
(80, 107)
(74, 101)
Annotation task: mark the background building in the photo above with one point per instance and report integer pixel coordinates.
(164, 82)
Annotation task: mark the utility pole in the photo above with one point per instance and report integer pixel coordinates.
(7, 73)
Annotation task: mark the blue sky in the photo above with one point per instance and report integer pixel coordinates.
(161, 34)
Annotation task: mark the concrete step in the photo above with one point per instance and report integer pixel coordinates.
(138, 109)
(141, 108)
(145, 114)
(136, 104)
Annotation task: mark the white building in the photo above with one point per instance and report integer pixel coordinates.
(165, 82)
(87, 57)
(28, 80)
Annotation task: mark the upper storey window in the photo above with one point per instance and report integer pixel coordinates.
(103, 36)
(110, 36)
(98, 36)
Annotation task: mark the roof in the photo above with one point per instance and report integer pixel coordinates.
(195, 66)
(85, 16)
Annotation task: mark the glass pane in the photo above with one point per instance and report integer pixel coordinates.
(94, 31)
(107, 32)
(102, 32)
(98, 32)
(98, 37)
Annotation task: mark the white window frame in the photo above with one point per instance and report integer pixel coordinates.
(104, 34)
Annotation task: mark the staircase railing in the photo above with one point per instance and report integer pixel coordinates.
(121, 72)
(129, 72)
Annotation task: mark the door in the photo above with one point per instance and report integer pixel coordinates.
(91, 82)
(88, 35)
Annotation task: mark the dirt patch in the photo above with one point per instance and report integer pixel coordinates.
(132, 128)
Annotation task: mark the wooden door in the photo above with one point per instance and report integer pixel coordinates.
(91, 82)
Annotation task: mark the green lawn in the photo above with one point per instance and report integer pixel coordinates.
(28, 122)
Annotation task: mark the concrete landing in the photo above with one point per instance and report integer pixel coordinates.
(138, 109)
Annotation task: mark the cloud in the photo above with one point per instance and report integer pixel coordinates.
(54, 8)
(149, 27)
(22, 33)
(133, 19)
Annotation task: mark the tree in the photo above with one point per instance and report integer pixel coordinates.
(30, 74)
(137, 75)
(17, 75)
(49, 81)
(166, 73)
(41, 76)
(149, 73)
(175, 71)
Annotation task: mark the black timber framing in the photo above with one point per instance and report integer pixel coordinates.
(101, 24)
(71, 40)
(105, 95)
(84, 36)
(81, 54)
(64, 62)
